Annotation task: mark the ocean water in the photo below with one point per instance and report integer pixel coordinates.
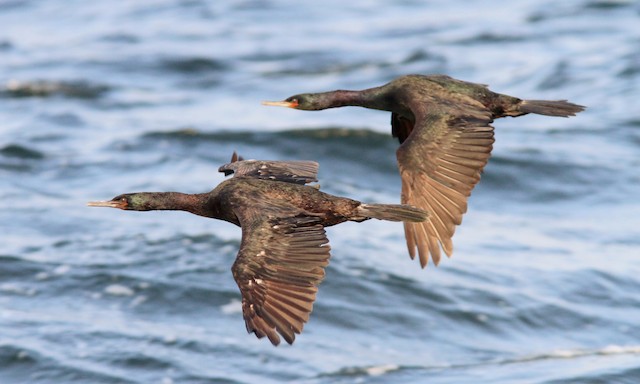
(101, 98)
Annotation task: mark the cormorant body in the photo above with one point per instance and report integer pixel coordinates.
(446, 137)
(284, 247)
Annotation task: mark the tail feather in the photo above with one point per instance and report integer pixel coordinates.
(561, 108)
(393, 212)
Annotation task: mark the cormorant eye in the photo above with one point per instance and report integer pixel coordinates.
(293, 102)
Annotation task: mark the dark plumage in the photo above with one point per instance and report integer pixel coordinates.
(445, 133)
(284, 247)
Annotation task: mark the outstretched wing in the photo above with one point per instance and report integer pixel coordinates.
(298, 171)
(440, 163)
(279, 266)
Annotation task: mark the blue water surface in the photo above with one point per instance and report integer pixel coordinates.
(101, 98)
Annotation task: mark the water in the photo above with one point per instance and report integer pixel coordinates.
(100, 98)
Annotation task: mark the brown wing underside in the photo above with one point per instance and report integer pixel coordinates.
(440, 163)
(279, 266)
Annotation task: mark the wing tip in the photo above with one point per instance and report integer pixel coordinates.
(428, 248)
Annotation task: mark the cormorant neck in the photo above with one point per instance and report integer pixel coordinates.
(372, 98)
(170, 201)
(343, 98)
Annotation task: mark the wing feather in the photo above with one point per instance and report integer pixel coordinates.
(440, 164)
(280, 263)
(295, 171)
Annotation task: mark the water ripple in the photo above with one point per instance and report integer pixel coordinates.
(155, 95)
(46, 88)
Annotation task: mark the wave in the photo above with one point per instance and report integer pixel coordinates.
(190, 65)
(79, 89)
(21, 152)
(560, 354)
(47, 366)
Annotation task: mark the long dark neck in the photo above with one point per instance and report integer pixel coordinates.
(373, 98)
(172, 201)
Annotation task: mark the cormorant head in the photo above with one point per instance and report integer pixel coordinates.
(126, 201)
(303, 101)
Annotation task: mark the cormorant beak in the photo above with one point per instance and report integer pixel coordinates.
(288, 104)
(111, 204)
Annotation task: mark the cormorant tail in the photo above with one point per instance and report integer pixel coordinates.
(393, 212)
(561, 108)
